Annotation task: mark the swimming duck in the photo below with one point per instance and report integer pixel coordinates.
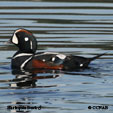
(27, 58)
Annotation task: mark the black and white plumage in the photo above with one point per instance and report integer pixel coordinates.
(27, 58)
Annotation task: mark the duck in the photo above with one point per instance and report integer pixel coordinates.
(26, 57)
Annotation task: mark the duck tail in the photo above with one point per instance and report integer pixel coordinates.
(97, 56)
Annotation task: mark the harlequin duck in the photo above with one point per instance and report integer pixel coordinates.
(27, 58)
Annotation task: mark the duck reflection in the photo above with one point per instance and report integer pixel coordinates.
(28, 78)
(25, 79)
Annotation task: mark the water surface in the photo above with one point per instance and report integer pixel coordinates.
(80, 28)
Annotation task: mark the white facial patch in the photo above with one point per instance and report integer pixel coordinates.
(26, 38)
(15, 39)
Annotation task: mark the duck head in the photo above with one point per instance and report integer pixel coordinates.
(24, 40)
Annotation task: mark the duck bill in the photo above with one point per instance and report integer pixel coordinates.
(8, 42)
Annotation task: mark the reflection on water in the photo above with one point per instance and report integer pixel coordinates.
(75, 27)
(28, 79)
(23, 79)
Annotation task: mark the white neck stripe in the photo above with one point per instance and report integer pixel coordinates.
(31, 45)
(22, 54)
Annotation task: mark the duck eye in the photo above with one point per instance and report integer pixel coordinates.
(26, 38)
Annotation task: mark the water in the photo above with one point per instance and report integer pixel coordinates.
(80, 28)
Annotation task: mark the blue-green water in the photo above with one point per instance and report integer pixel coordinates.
(80, 28)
